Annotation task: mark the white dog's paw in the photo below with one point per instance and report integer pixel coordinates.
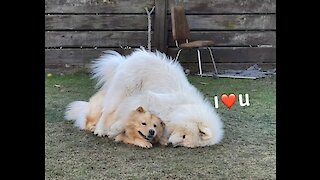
(99, 132)
(114, 132)
(111, 135)
(163, 141)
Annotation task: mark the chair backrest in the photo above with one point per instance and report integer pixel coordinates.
(180, 27)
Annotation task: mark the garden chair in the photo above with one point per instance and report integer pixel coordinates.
(182, 37)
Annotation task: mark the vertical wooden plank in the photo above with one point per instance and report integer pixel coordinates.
(161, 26)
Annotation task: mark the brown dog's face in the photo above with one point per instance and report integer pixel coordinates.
(147, 125)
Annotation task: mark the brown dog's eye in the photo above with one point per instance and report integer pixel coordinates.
(144, 124)
(184, 136)
(154, 125)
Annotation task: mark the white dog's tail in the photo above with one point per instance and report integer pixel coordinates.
(104, 67)
(77, 112)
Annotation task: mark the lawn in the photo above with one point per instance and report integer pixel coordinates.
(247, 151)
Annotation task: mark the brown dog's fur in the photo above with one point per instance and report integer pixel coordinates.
(133, 125)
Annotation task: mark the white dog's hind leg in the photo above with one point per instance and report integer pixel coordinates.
(115, 129)
(113, 98)
(99, 131)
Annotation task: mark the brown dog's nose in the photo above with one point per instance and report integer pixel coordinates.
(151, 132)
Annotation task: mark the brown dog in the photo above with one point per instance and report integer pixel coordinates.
(140, 127)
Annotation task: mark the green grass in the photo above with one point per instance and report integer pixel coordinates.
(247, 151)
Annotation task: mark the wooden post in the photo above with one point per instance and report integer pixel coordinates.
(161, 26)
(149, 26)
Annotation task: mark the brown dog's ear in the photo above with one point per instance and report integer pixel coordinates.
(140, 109)
(162, 124)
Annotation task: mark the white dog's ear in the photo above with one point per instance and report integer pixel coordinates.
(140, 109)
(205, 133)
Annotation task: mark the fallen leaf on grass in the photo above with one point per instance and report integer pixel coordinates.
(57, 86)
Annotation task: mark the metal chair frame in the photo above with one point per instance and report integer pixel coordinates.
(199, 57)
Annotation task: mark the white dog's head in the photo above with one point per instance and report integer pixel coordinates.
(195, 125)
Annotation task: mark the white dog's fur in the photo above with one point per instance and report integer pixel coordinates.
(77, 112)
(159, 84)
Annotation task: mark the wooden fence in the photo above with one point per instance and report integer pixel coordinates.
(78, 31)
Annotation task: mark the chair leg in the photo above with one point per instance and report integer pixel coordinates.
(177, 56)
(199, 61)
(214, 64)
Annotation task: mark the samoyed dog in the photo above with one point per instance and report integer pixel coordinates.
(158, 83)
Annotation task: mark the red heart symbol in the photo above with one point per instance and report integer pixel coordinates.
(228, 100)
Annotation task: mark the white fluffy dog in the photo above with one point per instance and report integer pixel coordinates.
(159, 84)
